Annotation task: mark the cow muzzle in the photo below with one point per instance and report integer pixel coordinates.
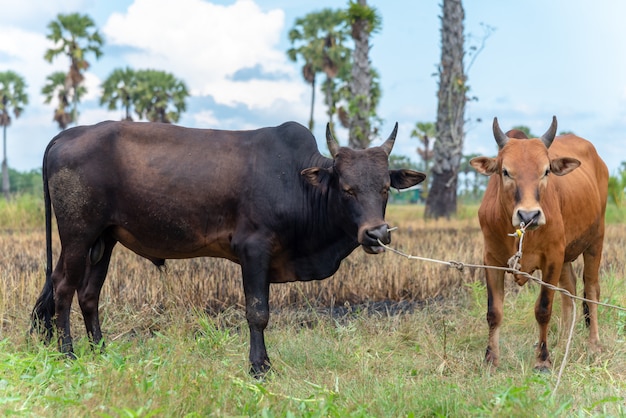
(371, 236)
(532, 219)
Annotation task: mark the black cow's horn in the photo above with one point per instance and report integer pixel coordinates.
(387, 146)
(501, 138)
(333, 145)
(548, 137)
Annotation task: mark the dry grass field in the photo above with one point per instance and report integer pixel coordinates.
(134, 283)
(193, 312)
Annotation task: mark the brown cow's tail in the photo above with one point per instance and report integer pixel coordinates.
(43, 312)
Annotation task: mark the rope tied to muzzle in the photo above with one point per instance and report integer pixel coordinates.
(514, 261)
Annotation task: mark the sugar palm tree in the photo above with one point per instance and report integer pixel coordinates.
(120, 88)
(160, 96)
(56, 89)
(364, 21)
(74, 35)
(452, 96)
(319, 40)
(13, 98)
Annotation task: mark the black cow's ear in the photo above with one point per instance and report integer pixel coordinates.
(403, 179)
(315, 175)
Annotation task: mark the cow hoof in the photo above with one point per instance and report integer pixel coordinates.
(544, 366)
(260, 372)
(542, 369)
(491, 359)
(595, 348)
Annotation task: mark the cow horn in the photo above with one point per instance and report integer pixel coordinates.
(387, 146)
(501, 138)
(548, 137)
(333, 145)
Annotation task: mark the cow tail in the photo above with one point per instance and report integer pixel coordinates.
(44, 310)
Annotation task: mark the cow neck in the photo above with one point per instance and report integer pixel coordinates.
(325, 217)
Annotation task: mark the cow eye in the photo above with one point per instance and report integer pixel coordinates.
(547, 172)
(505, 172)
(349, 192)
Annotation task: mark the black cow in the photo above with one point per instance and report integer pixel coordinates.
(265, 199)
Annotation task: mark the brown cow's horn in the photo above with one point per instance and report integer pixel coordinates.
(387, 146)
(501, 138)
(548, 137)
(333, 145)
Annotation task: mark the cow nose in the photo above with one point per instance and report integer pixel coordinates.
(528, 216)
(379, 233)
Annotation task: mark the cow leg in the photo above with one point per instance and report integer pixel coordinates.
(65, 282)
(543, 312)
(592, 292)
(254, 267)
(495, 303)
(89, 291)
(567, 281)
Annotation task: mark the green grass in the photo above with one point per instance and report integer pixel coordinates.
(427, 363)
(25, 211)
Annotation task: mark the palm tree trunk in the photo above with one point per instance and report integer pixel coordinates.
(330, 101)
(6, 186)
(448, 148)
(359, 128)
(312, 103)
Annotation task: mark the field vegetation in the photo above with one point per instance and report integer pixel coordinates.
(385, 336)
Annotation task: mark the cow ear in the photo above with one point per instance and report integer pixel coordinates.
(484, 165)
(403, 179)
(315, 175)
(564, 165)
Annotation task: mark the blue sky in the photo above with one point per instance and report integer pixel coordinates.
(543, 58)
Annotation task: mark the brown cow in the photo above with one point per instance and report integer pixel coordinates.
(564, 215)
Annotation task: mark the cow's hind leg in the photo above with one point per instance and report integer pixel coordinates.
(65, 286)
(91, 286)
(592, 292)
(567, 282)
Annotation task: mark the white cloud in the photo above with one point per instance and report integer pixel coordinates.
(206, 44)
(25, 51)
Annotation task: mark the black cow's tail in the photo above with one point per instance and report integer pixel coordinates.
(44, 311)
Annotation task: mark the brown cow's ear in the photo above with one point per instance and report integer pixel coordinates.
(564, 165)
(485, 165)
(403, 179)
(314, 175)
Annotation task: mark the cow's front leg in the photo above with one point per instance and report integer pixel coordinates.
(543, 312)
(256, 287)
(495, 302)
